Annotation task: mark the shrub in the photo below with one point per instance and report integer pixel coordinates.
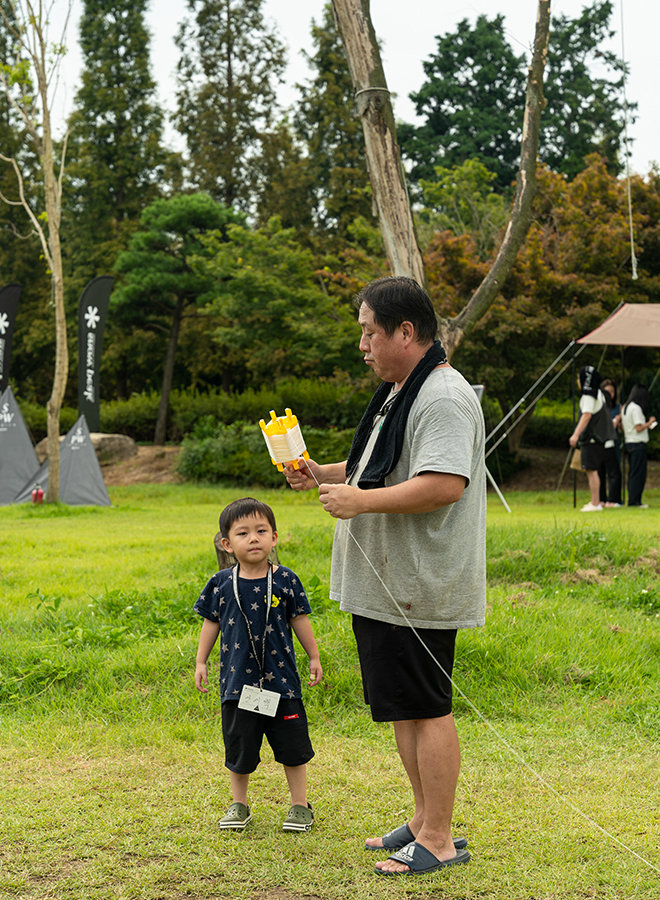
(237, 453)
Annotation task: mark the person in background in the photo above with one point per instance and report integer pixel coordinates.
(609, 471)
(636, 426)
(593, 430)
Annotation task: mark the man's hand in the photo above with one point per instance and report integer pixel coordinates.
(573, 439)
(341, 500)
(301, 479)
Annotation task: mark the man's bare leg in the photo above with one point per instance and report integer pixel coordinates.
(594, 485)
(431, 756)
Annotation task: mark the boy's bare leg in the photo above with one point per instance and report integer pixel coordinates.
(296, 777)
(239, 787)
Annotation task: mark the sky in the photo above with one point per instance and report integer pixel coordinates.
(407, 39)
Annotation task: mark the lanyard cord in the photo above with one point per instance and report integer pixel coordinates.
(248, 624)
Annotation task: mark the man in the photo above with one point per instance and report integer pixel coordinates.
(411, 554)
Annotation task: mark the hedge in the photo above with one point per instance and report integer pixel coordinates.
(237, 454)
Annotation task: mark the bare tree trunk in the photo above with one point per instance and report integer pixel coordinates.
(452, 331)
(168, 374)
(382, 151)
(29, 29)
(54, 406)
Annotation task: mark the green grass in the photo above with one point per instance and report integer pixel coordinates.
(111, 775)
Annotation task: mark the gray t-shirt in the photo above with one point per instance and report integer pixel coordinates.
(433, 563)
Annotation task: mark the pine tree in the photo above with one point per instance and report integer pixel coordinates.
(230, 63)
(116, 159)
(326, 120)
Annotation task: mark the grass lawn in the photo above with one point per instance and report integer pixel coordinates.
(111, 765)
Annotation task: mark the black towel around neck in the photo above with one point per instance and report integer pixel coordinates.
(389, 443)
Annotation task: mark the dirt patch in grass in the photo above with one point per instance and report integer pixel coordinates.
(151, 465)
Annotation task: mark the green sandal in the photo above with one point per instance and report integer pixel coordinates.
(300, 818)
(236, 817)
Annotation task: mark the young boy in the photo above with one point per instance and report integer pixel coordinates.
(254, 605)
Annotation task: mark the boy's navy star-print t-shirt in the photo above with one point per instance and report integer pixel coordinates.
(237, 664)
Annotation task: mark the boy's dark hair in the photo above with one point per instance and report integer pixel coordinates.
(397, 300)
(245, 508)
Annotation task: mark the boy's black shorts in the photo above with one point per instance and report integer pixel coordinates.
(287, 733)
(399, 678)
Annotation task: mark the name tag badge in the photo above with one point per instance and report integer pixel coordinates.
(262, 702)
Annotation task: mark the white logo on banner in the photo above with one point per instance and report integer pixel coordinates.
(5, 415)
(92, 316)
(78, 437)
(4, 323)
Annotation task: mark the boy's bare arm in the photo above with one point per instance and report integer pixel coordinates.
(207, 639)
(303, 629)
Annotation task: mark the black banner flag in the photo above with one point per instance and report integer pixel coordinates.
(92, 313)
(8, 304)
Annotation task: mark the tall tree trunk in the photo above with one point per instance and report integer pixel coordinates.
(54, 406)
(382, 151)
(168, 374)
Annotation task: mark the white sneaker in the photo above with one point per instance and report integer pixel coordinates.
(589, 507)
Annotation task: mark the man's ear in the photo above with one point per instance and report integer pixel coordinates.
(408, 331)
(226, 546)
(274, 539)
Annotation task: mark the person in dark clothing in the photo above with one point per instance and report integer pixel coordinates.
(636, 427)
(609, 471)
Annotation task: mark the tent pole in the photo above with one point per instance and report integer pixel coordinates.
(497, 490)
(573, 399)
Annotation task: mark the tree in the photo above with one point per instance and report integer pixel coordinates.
(21, 259)
(160, 287)
(472, 99)
(271, 307)
(230, 63)
(26, 82)
(325, 120)
(385, 170)
(584, 112)
(462, 200)
(382, 151)
(471, 103)
(117, 162)
(570, 274)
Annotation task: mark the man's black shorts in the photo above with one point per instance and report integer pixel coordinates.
(592, 455)
(400, 679)
(243, 732)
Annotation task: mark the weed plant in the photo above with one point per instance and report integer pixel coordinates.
(111, 779)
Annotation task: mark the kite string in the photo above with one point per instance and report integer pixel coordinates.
(483, 718)
(633, 257)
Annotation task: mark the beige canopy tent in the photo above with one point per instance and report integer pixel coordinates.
(632, 325)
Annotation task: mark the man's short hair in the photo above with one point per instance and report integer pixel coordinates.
(397, 300)
(245, 508)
